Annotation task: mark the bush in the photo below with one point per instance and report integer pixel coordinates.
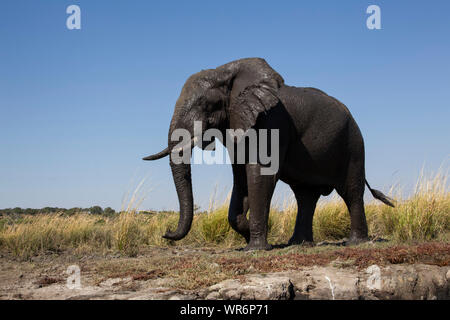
(109, 212)
(96, 210)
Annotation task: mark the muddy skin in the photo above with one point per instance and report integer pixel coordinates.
(321, 148)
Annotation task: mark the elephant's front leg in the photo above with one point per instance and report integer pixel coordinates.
(237, 214)
(260, 191)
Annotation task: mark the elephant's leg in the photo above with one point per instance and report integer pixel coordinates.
(352, 193)
(260, 191)
(237, 214)
(306, 203)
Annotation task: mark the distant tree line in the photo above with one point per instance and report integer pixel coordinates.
(95, 210)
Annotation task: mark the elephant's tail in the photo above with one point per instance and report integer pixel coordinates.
(380, 196)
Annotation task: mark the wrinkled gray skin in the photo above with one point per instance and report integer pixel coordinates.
(321, 148)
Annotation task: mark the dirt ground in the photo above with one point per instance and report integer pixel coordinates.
(182, 272)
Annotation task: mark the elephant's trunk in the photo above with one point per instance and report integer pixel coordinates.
(181, 173)
(183, 183)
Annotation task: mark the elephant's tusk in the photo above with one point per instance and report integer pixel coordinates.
(165, 152)
(158, 155)
(193, 143)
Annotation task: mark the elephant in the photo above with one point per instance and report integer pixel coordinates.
(321, 149)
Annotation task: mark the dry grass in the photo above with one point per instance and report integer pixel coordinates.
(54, 232)
(422, 217)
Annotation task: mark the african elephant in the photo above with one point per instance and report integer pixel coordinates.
(320, 148)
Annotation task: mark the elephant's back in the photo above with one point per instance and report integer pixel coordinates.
(313, 104)
(311, 108)
(325, 127)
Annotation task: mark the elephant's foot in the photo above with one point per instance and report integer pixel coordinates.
(354, 240)
(246, 237)
(300, 242)
(258, 245)
(240, 225)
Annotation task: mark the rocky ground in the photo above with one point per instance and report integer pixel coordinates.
(369, 271)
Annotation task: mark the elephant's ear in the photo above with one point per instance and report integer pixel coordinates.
(255, 91)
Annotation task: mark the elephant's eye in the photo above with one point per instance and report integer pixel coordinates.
(210, 107)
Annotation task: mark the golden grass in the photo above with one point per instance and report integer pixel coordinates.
(424, 216)
(54, 232)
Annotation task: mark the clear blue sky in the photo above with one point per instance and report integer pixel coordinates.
(79, 108)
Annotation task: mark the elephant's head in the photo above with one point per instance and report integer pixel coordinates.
(230, 96)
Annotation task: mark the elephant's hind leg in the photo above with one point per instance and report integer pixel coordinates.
(353, 193)
(237, 213)
(306, 203)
